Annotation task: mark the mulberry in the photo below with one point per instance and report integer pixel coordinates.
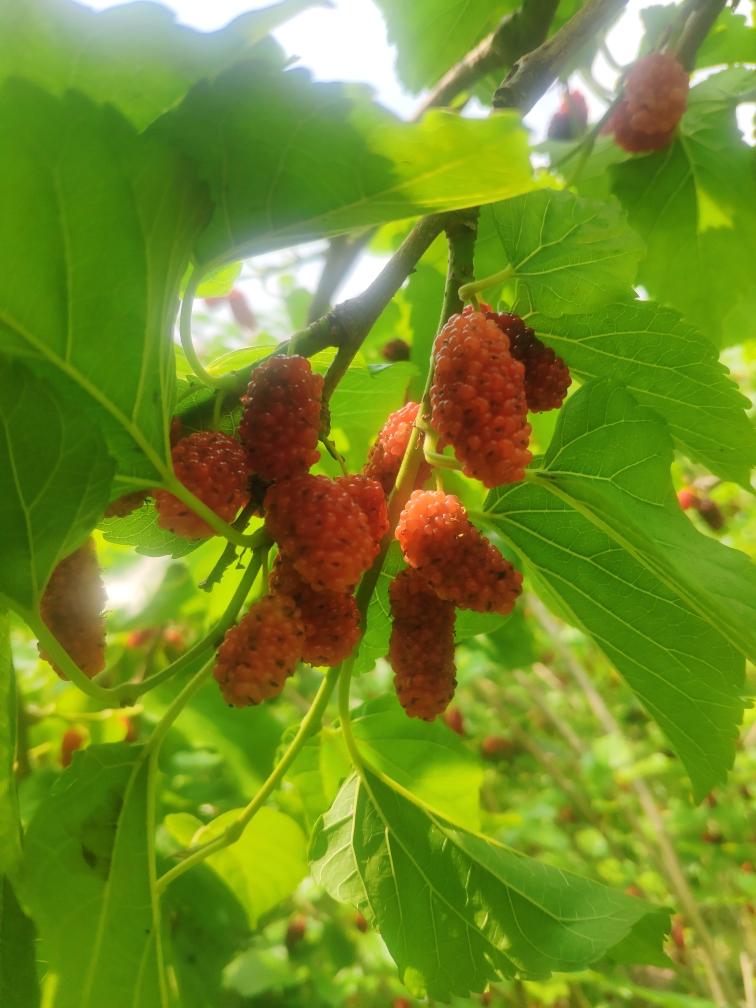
(368, 494)
(385, 457)
(72, 609)
(478, 399)
(547, 377)
(570, 119)
(396, 350)
(321, 530)
(331, 620)
(421, 649)
(458, 563)
(216, 469)
(125, 505)
(652, 104)
(281, 422)
(259, 654)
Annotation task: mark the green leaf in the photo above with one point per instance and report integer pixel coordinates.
(429, 760)
(141, 531)
(18, 971)
(731, 40)
(86, 878)
(599, 526)
(693, 205)
(10, 825)
(667, 366)
(332, 160)
(457, 909)
(264, 867)
(134, 57)
(569, 254)
(359, 407)
(55, 482)
(432, 35)
(93, 244)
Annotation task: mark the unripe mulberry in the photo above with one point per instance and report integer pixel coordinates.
(368, 494)
(259, 654)
(458, 563)
(547, 377)
(421, 650)
(123, 506)
(72, 610)
(478, 399)
(281, 422)
(215, 468)
(321, 530)
(652, 104)
(385, 457)
(331, 620)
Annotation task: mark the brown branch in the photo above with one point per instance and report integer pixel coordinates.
(515, 34)
(532, 76)
(697, 27)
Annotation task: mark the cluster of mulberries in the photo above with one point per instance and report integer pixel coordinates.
(478, 399)
(652, 104)
(72, 607)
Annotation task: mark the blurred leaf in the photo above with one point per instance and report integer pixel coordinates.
(375, 640)
(731, 40)
(333, 161)
(600, 526)
(432, 35)
(18, 974)
(256, 971)
(86, 879)
(215, 284)
(668, 367)
(429, 760)
(91, 257)
(56, 477)
(10, 826)
(693, 205)
(134, 56)
(264, 866)
(569, 254)
(455, 908)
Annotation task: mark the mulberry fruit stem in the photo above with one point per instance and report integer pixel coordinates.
(467, 291)
(308, 726)
(222, 528)
(185, 332)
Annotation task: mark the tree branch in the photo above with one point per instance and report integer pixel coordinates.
(515, 34)
(697, 27)
(532, 76)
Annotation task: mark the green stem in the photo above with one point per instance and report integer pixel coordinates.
(467, 291)
(221, 528)
(64, 662)
(345, 717)
(232, 833)
(185, 332)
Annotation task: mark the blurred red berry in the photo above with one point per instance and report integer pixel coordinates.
(73, 739)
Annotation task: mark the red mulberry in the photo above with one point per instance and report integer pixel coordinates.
(385, 457)
(652, 104)
(547, 377)
(331, 620)
(570, 119)
(72, 609)
(421, 650)
(321, 530)
(259, 654)
(369, 495)
(478, 399)
(459, 564)
(216, 469)
(281, 421)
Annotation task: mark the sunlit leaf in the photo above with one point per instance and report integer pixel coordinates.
(332, 160)
(457, 909)
(667, 366)
(598, 525)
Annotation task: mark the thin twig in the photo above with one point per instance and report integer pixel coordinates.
(697, 27)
